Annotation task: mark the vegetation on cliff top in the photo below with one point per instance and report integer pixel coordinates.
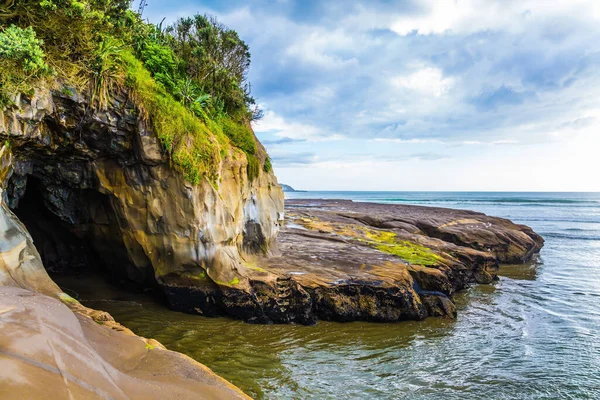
(189, 79)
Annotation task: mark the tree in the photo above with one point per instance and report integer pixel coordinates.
(216, 59)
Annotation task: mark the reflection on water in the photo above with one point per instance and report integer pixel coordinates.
(535, 333)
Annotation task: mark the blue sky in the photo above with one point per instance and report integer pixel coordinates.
(422, 95)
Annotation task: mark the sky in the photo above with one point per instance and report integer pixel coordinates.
(490, 95)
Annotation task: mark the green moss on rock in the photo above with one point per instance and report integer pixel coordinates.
(382, 240)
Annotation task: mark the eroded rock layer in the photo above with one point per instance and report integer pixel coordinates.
(52, 347)
(345, 261)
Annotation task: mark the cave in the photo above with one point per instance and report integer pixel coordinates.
(76, 232)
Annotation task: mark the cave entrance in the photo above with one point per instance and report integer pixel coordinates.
(77, 235)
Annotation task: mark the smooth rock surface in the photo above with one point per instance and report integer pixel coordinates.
(49, 352)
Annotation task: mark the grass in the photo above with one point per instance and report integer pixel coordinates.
(196, 146)
(268, 167)
(194, 149)
(242, 137)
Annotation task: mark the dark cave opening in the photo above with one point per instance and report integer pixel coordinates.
(76, 234)
(61, 250)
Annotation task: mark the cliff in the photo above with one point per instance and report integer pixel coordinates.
(95, 187)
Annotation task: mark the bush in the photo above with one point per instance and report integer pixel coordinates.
(160, 61)
(21, 47)
(268, 167)
(253, 167)
(191, 86)
(22, 60)
(106, 70)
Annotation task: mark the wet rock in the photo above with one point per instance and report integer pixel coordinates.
(48, 351)
(53, 347)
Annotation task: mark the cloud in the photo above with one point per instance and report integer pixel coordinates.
(451, 143)
(413, 140)
(477, 76)
(504, 95)
(287, 159)
(427, 80)
(284, 140)
(428, 156)
(289, 132)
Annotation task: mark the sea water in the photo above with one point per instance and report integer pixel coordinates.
(533, 334)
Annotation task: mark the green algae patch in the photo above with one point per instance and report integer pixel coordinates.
(149, 346)
(194, 275)
(411, 252)
(382, 240)
(235, 281)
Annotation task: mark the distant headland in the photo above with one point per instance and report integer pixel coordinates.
(288, 188)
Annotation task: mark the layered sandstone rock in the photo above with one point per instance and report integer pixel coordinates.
(93, 186)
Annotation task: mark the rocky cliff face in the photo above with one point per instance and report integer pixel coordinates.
(94, 186)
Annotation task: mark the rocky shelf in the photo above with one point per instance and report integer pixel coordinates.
(346, 261)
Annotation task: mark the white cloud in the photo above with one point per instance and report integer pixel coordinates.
(413, 140)
(319, 47)
(503, 86)
(427, 80)
(467, 16)
(277, 125)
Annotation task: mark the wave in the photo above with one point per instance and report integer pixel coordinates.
(510, 200)
(527, 219)
(556, 235)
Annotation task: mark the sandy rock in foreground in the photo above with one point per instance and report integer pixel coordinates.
(47, 351)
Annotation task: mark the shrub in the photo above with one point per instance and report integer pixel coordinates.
(160, 61)
(21, 47)
(191, 86)
(106, 69)
(22, 60)
(253, 167)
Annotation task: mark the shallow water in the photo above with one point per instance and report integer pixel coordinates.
(533, 334)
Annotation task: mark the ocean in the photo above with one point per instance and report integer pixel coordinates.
(534, 334)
